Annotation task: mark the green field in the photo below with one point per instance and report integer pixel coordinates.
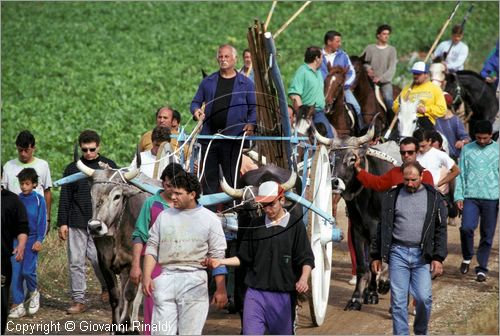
(68, 66)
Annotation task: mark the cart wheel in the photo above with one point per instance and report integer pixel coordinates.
(320, 194)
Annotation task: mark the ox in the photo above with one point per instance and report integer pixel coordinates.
(248, 209)
(115, 207)
(363, 206)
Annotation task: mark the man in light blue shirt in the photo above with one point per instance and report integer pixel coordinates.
(476, 194)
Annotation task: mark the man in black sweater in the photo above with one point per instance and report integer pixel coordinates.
(75, 210)
(279, 259)
(14, 226)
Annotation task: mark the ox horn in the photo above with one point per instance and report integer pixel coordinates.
(334, 142)
(135, 171)
(370, 133)
(236, 193)
(322, 139)
(291, 182)
(84, 168)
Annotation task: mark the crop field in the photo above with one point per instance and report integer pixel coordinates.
(69, 66)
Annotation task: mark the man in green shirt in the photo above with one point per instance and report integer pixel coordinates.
(307, 87)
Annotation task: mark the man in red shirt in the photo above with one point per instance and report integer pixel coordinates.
(408, 148)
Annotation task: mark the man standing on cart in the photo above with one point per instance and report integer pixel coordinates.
(229, 99)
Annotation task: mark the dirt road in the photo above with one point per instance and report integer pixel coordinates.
(460, 305)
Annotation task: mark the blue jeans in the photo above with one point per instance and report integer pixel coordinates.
(488, 211)
(409, 273)
(320, 118)
(350, 99)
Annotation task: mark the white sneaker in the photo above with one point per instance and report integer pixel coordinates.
(17, 312)
(353, 281)
(34, 302)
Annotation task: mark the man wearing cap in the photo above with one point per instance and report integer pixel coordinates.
(279, 260)
(432, 104)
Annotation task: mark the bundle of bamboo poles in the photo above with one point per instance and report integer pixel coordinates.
(268, 113)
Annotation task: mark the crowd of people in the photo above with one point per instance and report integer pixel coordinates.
(172, 250)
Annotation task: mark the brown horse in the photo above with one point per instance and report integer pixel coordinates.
(363, 89)
(337, 112)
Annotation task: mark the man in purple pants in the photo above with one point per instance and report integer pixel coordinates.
(278, 256)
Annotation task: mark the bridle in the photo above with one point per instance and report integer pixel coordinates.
(329, 93)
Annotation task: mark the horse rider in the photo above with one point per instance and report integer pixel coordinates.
(334, 55)
(432, 103)
(454, 52)
(380, 63)
(306, 87)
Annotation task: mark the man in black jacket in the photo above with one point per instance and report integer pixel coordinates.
(411, 238)
(75, 210)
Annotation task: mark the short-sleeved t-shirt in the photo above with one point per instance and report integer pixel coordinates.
(13, 167)
(308, 84)
(433, 160)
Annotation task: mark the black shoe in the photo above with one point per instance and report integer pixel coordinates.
(464, 268)
(481, 277)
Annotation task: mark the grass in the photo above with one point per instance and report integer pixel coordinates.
(68, 66)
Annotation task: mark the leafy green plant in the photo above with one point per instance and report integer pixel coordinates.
(68, 66)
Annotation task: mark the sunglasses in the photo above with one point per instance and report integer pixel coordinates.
(86, 150)
(410, 152)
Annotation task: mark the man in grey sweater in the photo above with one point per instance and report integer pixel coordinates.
(381, 59)
(411, 238)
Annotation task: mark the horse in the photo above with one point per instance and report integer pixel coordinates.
(370, 101)
(408, 120)
(342, 118)
(469, 88)
(477, 95)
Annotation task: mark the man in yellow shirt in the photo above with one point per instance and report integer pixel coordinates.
(432, 103)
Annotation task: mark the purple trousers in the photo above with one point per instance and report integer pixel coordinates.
(267, 311)
(149, 302)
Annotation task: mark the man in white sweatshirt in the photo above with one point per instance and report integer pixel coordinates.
(179, 239)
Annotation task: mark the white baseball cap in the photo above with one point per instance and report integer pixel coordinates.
(268, 192)
(419, 68)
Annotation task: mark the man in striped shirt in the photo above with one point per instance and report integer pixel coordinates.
(75, 210)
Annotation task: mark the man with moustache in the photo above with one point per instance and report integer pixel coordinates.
(432, 103)
(411, 238)
(229, 98)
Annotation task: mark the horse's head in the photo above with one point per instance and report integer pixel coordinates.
(407, 117)
(438, 74)
(359, 69)
(334, 85)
